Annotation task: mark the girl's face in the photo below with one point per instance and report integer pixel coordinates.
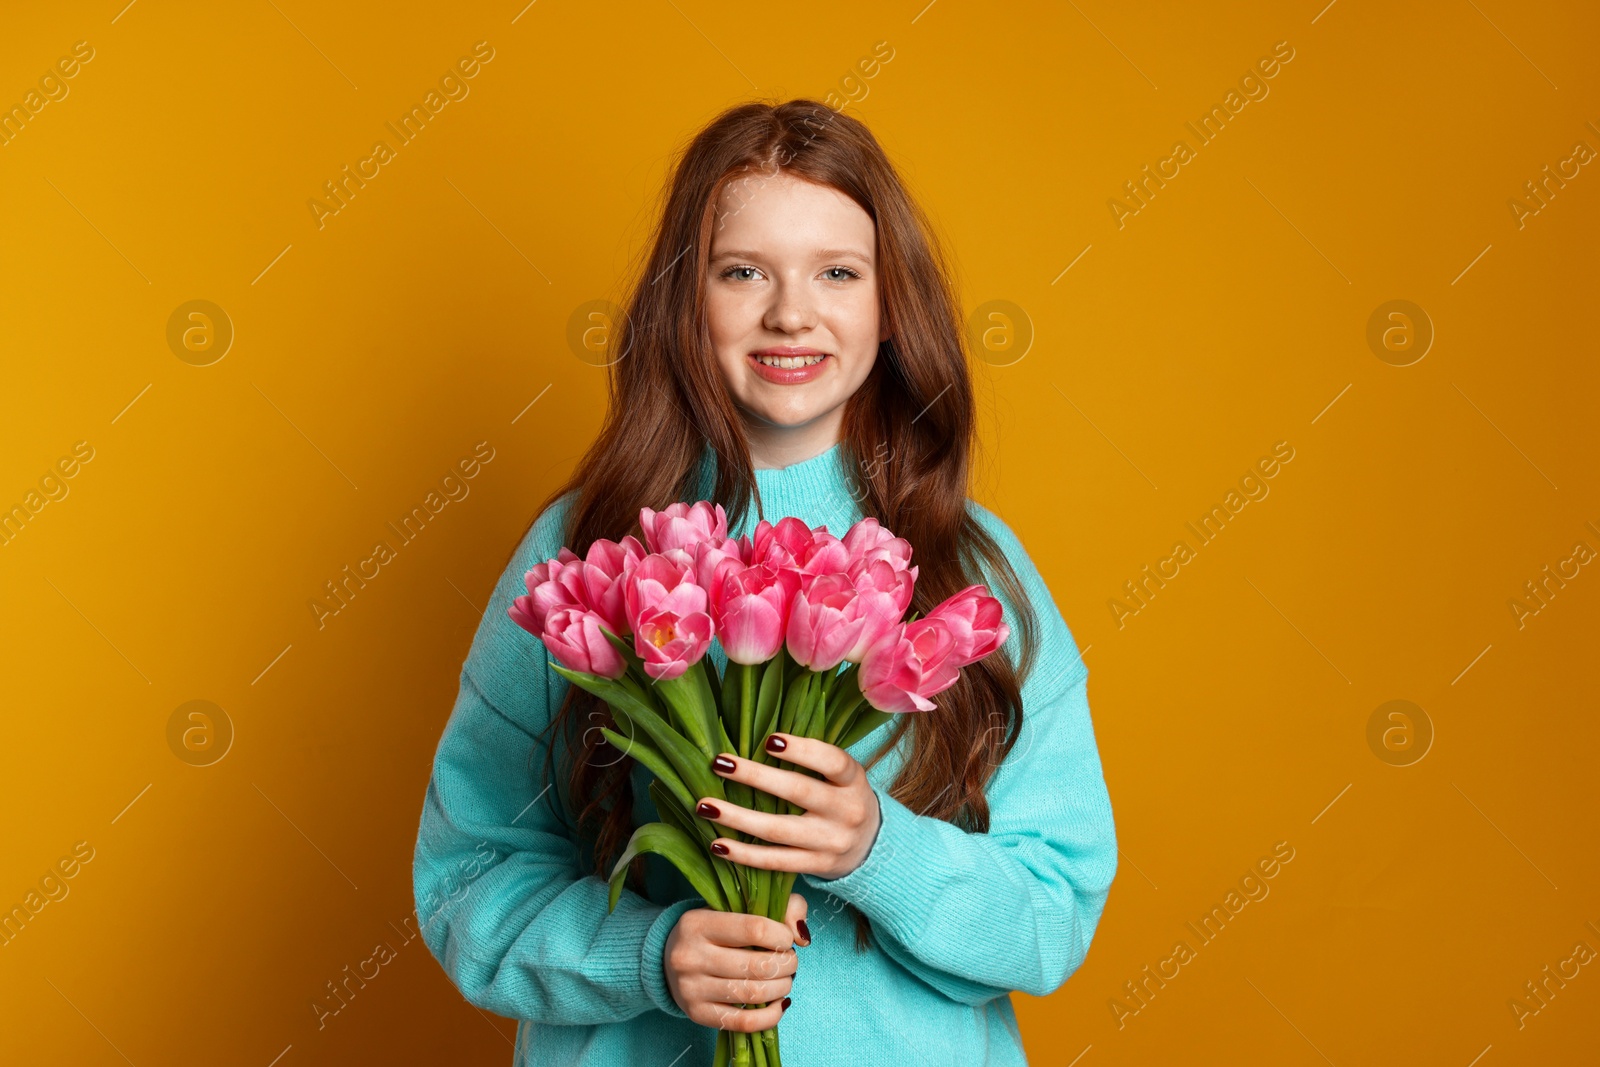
(792, 277)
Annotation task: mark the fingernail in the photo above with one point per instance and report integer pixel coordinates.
(786, 1003)
(710, 811)
(805, 931)
(719, 848)
(723, 765)
(776, 744)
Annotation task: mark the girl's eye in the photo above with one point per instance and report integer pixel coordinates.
(832, 274)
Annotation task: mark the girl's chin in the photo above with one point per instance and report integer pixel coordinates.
(791, 416)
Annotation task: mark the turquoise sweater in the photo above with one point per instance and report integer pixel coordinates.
(959, 920)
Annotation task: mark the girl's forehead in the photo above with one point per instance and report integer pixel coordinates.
(791, 216)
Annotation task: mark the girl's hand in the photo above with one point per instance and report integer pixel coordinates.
(712, 973)
(841, 816)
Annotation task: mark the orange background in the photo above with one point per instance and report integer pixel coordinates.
(1230, 313)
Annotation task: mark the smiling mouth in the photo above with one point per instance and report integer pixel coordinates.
(787, 362)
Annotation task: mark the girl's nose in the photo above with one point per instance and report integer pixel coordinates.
(791, 310)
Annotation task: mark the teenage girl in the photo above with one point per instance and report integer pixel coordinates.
(792, 346)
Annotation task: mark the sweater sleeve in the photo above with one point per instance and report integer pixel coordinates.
(979, 915)
(501, 898)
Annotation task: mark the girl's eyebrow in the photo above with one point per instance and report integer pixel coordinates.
(820, 253)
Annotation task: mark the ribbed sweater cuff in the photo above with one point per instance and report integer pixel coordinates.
(652, 974)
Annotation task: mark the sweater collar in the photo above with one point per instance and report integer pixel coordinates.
(815, 490)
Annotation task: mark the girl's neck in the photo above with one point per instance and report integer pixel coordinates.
(776, 447)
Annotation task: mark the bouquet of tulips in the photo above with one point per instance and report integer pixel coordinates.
(631, 623)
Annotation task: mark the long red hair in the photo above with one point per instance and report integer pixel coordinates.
(667, 400)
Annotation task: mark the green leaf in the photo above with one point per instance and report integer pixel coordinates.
(625, 647)
(741, 794)
(868, 719)
(672, 810)
(693, 767)
(817, 724)
(690, 708)
(765, 801)
(654, 762)
(841, 713)
(713, 680)
(681, 851)
(768, 700)
(737, 792)
(728, 878)
(701, 830)
(799, 692)
(846, 687)
(828, 677)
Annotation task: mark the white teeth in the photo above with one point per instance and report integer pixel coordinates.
(790, 362)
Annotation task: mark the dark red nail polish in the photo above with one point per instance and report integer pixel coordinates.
(776, 744)
(786, 1003)
(709, 811)
(719, 848)
(723, 765)
(805, 931)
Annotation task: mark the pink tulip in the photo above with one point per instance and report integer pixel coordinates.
(592, 584)
(713, 558)
(908, 665)
(825, 621)
(544, 596)
(784, 543)
(598, 583)
(576, 640)
(882, 596)
(682, 525)
(825, 555)
(868, 540)
(750, 607)
(613, 557)
(974, 618)
(666, 610)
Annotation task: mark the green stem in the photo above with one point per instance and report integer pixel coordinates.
(721, 1058)
(747, 706)
(809, 721)
(761, 903)
(782, 887)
